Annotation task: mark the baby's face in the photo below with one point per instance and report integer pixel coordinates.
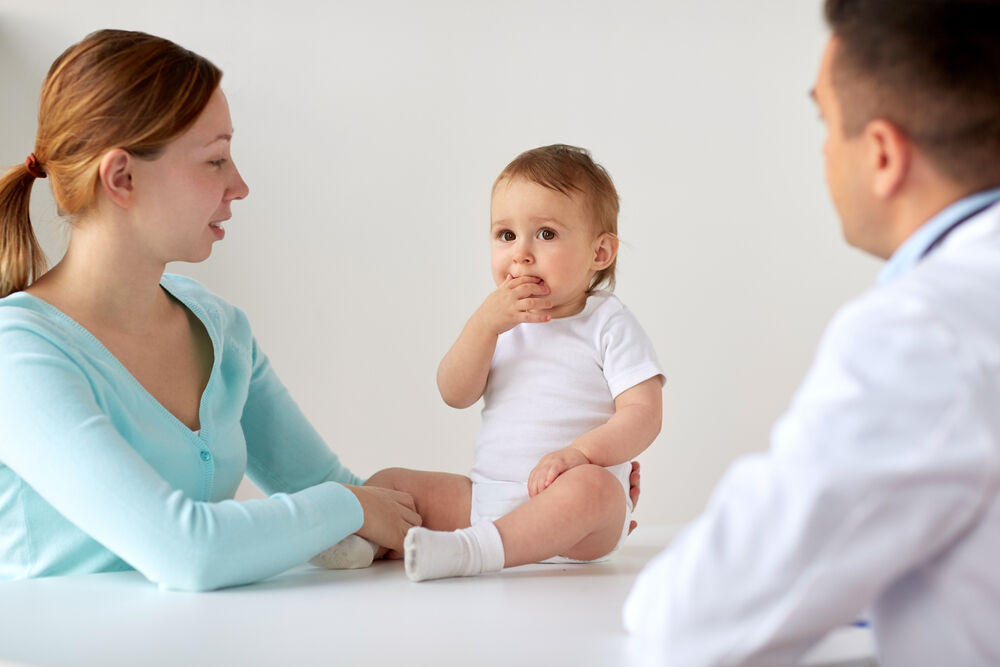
(543, 233)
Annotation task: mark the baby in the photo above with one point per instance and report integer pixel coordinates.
(571, 386)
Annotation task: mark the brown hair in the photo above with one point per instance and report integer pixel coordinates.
(567, 169)
(930, 67)
(115, 89)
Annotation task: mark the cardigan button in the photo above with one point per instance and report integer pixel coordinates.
(206, 456)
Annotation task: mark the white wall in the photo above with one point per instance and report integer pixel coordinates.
(370, 134)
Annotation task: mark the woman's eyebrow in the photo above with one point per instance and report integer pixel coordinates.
(222, 137)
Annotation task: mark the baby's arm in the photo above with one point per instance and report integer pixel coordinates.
(462, 374)
(633, 427)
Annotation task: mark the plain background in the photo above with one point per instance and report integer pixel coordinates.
(370, 134)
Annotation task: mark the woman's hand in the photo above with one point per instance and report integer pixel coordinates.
(551, 466)
(388, 515)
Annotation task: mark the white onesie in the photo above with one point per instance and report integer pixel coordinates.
(549, 383)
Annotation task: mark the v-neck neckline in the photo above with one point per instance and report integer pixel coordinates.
(200, 315)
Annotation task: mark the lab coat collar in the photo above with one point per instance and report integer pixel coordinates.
(915, 247)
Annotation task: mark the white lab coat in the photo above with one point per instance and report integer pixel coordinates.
(879, 493)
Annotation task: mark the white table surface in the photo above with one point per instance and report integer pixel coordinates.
(533, 615)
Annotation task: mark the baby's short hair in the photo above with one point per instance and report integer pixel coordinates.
(567, 168)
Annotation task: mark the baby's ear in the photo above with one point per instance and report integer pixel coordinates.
(605, 250)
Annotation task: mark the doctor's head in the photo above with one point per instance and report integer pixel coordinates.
(910, 93)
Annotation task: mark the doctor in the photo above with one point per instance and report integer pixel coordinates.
(881, 490)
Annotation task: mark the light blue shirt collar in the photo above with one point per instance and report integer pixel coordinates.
(913, 248)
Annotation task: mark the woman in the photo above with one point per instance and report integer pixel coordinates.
(132, 402)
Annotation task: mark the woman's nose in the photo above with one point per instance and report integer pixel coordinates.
(239, 188)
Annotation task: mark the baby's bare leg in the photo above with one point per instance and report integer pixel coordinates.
(443, 499)
(579, 516)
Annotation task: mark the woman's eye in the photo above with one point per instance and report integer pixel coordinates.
(217, 163)
(507, 235)
(546, 234)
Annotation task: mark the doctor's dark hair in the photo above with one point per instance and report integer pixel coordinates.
(114, 89)
(569, 169)
(931, 68)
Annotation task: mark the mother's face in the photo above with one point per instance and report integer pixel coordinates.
(181, 198)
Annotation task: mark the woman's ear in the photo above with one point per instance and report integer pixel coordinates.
(605, 251)
(115, 176)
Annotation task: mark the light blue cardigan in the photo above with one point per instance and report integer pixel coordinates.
(97, 476)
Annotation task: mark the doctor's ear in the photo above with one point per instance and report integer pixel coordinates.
(115, 176)
(605, 251)
(889, 153)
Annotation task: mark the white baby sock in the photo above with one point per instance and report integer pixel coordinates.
(350, 553)
(436, 554)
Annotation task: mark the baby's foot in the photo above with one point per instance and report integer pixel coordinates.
(350, 553)
(436, 554)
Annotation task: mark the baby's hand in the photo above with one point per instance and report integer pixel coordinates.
(551, 466)
(515, 301)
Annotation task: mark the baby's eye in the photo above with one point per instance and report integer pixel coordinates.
(507, 235)
(546, 234)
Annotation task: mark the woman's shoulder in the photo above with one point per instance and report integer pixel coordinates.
(32, 329)
(189, 289)
(219, 315)
(21, 312)
(193, 293)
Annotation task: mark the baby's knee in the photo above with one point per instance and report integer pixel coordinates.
(389, 478)
(597, 484)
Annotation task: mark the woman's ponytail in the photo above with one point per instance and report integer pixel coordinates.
(21, 258)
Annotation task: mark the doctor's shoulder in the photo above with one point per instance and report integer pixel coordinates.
(891, 331)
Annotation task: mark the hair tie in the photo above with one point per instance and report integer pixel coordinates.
(35, 169)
